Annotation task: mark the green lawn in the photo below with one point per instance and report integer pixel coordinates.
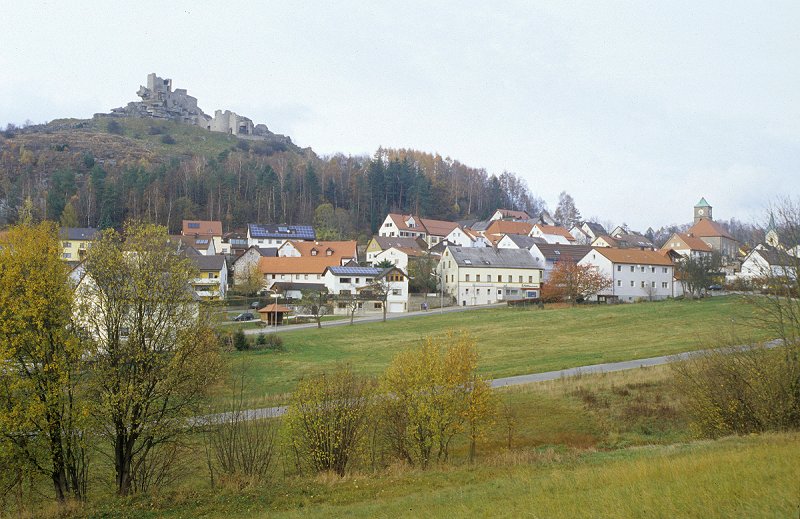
(511, 341)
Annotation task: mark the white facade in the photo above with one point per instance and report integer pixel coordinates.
(633, 282)
(481, 284)
(413, 228)
(755, 265)
(398, 258)
(537, 232)
(458, 237)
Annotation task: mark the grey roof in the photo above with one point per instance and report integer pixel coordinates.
(270, 252)
(555, 251)
(633, 240)
(386, 242)
(489, 257)
(776, 257)
(481, 225)
(208, 262)
(596, 228)
(78, 233)
(524, 242)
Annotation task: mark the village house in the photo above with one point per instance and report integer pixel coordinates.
(344, 251)
(75, 241)
(205, 230)
(465, 237)
(518, 241)
(296, 274)
(498, 228)
(244, 265)
(687, 246)
(275, 235)
(411, 226)
(378, 244)
(211, 284)
(586, 232)
(712, 232)
(547, 255)
(400, 257)
(510, 214)
(766, 261)
(478, 276)
(635, 274)
(551, 234)
(364, 286)
(624, 241)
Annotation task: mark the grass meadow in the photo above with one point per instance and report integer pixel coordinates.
(511, 341)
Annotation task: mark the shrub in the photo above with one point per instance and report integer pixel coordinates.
(269, 341)
(328, 417)
(114, 127)
(167, 139)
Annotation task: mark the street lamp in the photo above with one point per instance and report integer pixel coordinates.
(275, 319)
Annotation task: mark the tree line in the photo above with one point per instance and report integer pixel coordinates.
(240, 186)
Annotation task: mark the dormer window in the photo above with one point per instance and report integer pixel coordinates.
(329, 252)
(314, 252)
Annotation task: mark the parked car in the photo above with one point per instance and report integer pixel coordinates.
(254, 305)
(246, 316)
(715, 287)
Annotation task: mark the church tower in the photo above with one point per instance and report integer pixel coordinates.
(772, 238)
(702, 209)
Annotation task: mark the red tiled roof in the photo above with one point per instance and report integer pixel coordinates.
(555, 230)
(706, 228)
(212, 227)
(634, 256)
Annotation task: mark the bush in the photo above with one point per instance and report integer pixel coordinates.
(167, 139)
(269, 341)
(328, 418)
(741, 389)
(114, 127)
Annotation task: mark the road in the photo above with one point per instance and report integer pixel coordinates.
(608, 367)
(372, 318)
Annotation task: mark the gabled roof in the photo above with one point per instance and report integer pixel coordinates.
(339, 249)
(706, 228)
(691, 242)
(208, 263)
(489, 257)
(511, 213)
(274, 308)
(508, 227)
(481, 225)
(775, 257)
(279, 231)
(634, 256)
(195, 241)
(596, 228)
(211, 227)
(78, 233)
(633, 240)
(524, 241)
(302, 265)
(554, 230)
(560, 252)
(384, 242)
(438, 227)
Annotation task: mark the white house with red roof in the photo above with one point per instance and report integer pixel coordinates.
(551, 234)
(413, 226)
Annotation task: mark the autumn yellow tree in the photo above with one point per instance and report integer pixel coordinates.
(153, 360)
(433, 394)
(40, 355)
(328, 417)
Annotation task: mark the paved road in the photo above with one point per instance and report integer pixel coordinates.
(373, 318)
(608, 367)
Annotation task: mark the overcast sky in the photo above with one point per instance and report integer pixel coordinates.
(637, 109)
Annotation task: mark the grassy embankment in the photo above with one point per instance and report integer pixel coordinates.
(511, 341)
(613, 445)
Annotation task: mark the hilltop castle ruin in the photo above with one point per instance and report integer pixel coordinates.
(159, 101)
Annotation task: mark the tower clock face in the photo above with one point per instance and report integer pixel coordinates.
(701, 212)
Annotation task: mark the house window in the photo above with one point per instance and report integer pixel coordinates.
(499, 292)
(368, 280)
(520, 279)
(633, 283)
(273, 276)
(345, 280)
(509, 279)
(652, 270)
(665, 270)
(478, 291)
(297, 276)
(305, 276)
(396, 292)
(619, 268)
(632, 268)
(530, 279)
(663, 284)
(641, 269)
(478, 278)
(344, 292)
(488, 278)
(67, 255)
(329, 252)
(357, 280)
(341, 305)
(653, 284)
(642, 284)
(619, 282)
(378, 305)
(67, 244)
(467, 277)
(452, 277)
(313, 252)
